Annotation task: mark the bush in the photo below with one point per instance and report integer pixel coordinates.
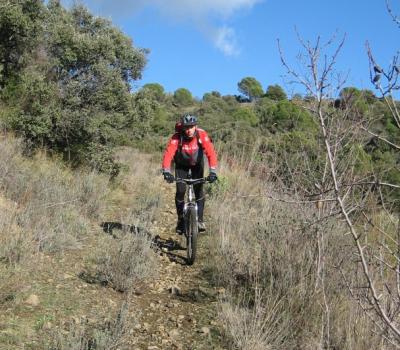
(276, 93)
(111, 335)
(124, 262)
(183, 97)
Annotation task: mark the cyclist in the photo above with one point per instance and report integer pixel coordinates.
(187, 148)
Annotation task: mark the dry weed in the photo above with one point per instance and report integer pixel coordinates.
(110, 336)
(53, 205)
(125, 261)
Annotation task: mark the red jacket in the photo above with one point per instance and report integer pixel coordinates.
(188, 152)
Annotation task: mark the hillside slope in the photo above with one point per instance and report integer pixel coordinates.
(82, 293)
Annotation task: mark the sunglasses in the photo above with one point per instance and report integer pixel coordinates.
(187, 127)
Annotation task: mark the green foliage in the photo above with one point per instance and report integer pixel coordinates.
(156, 89)
(362, 160)
(276, 93)
(183, 97)
(245, 114)
(219, 188)
(36, 107)
(369, 96)
(292, 151)
(74, 96)
(20, 28)
(284, 116)
(358, 101)
(250, 87)
(100, 157)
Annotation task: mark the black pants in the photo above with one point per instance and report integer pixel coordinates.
(182, 172)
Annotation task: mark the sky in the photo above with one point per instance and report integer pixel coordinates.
(206, 45)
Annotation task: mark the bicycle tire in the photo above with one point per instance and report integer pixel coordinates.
(192, 231)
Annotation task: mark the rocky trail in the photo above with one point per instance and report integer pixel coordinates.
(178, 308)
(57, 298)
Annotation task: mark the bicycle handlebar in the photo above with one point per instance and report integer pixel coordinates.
(191, 181)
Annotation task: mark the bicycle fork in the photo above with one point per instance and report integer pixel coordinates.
(190, 203)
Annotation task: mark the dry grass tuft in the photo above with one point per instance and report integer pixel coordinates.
(53, 206)
(109, 336)
(124, 262)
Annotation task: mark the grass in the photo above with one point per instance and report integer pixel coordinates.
(49, 218)
(125, 261)
(83, 336)
(52, 205)
(282, 274)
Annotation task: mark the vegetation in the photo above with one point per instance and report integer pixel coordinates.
(250, 87)
(297, 176)
(66, 80)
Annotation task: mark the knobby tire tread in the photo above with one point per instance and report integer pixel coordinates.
(191, 238)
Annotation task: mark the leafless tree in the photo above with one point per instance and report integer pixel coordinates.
(360, 199)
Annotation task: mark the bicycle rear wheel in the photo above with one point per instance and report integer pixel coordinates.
(192, 231)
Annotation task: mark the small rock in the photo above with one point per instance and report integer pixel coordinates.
(205, 330)
(174, 333)
(152, 347)
(174, 290)
(152, 305)
(32, 300)
(47, 325)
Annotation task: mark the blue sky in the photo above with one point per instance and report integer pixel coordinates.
(206, 45)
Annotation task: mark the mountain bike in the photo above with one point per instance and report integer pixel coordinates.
(191, 217)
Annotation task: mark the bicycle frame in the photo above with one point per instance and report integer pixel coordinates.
(190, 201)
(190, 212)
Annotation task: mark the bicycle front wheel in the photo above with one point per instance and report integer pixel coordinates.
(192, 231)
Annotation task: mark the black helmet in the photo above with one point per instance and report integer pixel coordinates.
(189, 120)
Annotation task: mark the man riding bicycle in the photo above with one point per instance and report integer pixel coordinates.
(187, 147)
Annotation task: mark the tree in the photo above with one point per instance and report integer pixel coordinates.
(284, 116)
(276, 93)
(245, 115)
(20, 29)
(156, 89)
(350, 187)
(250, 87)
(75, 93)
(183, 97)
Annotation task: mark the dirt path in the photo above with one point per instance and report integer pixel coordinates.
(178, 309)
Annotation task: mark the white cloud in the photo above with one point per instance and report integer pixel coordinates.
(202, 13)
(225, 40)
(197, 8)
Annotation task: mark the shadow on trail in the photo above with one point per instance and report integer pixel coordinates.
(164, 246)
(109, 227)
(169, 247)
